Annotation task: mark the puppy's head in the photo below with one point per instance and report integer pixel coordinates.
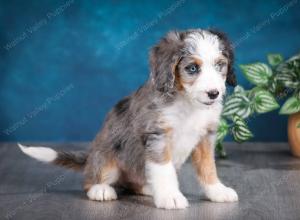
(195, 63)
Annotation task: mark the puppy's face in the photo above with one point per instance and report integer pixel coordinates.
(202, 70)
(196, 64)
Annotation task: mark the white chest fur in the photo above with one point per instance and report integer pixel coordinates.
(189, 124)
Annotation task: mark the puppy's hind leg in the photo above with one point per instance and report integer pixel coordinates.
(100, 174)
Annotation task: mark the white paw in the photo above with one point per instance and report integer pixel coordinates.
(220, 193)
(171, 201)
(102, 192)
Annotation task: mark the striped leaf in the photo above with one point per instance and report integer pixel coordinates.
(289, 72)
(257, 73)
(240, 130)
(275, 59)
(273, 86)
(292, 105)
(294, 60)
(298, 94)
(222, 130)
(264, 101)
(238, 104)
(288, 78)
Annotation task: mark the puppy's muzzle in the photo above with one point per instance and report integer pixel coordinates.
(213, 94)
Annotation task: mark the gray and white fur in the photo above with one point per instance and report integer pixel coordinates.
(149, 134)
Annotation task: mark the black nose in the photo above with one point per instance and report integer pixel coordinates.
(213, 94)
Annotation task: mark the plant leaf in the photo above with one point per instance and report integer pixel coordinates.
(264, 101)
(222, 130)
(273, 86)
(288, 78)
(240, 129)
(220, 150)
(290, 67)
(298, 94)
(239, 89)
(239, 104)
(291, 105)
(257, 73)
(295, 57)
(274, 59)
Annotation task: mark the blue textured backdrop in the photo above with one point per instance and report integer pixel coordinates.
(64, 64)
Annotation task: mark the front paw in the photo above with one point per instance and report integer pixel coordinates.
(220, 193)
(175, 200)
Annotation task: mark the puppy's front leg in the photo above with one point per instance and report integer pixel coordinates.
(203, 160)
(161, 175)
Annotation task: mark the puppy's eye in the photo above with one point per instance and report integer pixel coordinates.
(192, 69)
(220, 66)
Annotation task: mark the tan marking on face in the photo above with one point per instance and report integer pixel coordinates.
(178, 82)
(176, 73)
(182, 81)
(197, 60)
(203, 161)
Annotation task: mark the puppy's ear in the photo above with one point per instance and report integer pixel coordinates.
(164, 58)
(227, 52)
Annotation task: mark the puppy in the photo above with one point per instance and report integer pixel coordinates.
(148, 135)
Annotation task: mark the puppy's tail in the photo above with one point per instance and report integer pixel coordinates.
(72, 160)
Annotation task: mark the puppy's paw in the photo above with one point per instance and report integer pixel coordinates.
(102, 192)
(171, 201)
(220, 193)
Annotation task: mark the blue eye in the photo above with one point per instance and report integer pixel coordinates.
(192, 69)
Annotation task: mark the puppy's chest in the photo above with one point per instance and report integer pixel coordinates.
(188, 128)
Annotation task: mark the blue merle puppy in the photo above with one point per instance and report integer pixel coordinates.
(149, 134)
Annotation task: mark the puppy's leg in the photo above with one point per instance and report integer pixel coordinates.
(203, 160)
(161, 175)
(100, 174)
(144, 190)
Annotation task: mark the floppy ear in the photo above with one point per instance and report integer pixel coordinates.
(164, 58)
(227, 52)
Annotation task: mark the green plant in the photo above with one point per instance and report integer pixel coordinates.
(271, 82)
(288, 76)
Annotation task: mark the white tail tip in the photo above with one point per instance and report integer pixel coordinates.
(44, 154)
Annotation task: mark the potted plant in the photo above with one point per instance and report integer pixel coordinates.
(274, 81)
(288, 76)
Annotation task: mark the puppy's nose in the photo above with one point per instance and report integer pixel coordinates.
(213, 94)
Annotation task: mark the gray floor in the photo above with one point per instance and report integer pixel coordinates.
(266, 177)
